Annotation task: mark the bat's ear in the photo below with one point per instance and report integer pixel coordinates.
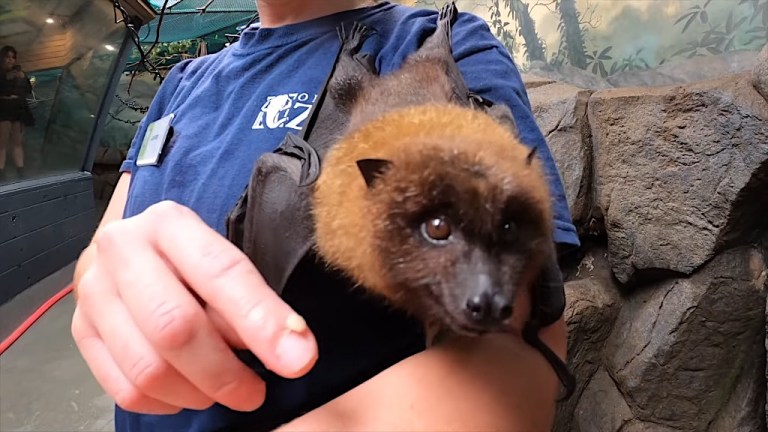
(371, 169)
(531, 155)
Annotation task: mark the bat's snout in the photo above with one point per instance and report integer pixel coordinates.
(486, 305)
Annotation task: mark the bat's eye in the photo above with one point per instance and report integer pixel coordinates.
(436, 229)
(509, 232)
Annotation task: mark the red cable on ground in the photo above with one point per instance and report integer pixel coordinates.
(34, 317)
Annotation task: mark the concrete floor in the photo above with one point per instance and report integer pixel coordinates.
(44, 383)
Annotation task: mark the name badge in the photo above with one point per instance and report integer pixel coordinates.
(154, 141)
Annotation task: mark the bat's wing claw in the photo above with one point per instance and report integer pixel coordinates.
(298, 149)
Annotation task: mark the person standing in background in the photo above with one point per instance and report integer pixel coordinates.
(15, 113)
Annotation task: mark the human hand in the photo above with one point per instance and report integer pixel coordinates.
(147, 338)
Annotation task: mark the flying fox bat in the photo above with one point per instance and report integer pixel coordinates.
(416, 189)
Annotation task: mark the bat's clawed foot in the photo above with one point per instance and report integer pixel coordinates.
(447, 17)
(353, 67)
(357, 35)
(438, 45)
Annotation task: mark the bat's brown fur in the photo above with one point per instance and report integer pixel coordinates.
(436, 156)
(430, 146)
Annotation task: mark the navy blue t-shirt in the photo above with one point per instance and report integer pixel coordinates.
(235, 105)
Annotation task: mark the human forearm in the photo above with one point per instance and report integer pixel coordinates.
(489, 383)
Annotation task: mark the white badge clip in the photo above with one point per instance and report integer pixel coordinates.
(154, 141)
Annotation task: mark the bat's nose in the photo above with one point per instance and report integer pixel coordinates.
(485, 304)
(488, 306)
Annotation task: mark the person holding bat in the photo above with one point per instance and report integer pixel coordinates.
(180, 328)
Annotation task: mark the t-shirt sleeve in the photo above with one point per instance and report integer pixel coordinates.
(156, 111)
(490, 71)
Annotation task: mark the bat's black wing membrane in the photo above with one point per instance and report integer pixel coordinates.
(272, 222)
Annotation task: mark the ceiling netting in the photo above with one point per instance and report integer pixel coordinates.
(184, 20)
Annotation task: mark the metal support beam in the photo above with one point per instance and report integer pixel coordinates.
(106, 102)
(140, 10)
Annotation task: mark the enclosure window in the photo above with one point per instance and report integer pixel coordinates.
(63, 58)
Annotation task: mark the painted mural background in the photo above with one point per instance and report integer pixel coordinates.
(610, 37)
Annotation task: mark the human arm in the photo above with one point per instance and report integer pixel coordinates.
(149, 342)
(491, 383)
(23, 83)
(161, 300)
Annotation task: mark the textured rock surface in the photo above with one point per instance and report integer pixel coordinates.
(669, 165)
(760, 73)
(666, 311)
(561, 113)
(744, 411)
(677, 176)
(593, 304)
(601, 407)
(106, 174)
(639, 426)
(678, 348)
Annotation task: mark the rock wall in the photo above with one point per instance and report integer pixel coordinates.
(667, 306)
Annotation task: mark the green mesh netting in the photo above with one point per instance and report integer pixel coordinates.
(184, 21)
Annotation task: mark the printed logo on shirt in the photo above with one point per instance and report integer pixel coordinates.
(284, 111)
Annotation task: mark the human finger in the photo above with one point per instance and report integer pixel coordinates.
(225, 329)
(176, 327)
(141, 363)
(228, 282)
(106, 372)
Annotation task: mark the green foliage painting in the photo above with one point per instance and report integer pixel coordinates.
(606, 37)
(724, 36)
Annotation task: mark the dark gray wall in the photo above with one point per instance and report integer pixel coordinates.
(44, 225)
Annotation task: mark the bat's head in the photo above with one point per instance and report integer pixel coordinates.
(458, 235)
